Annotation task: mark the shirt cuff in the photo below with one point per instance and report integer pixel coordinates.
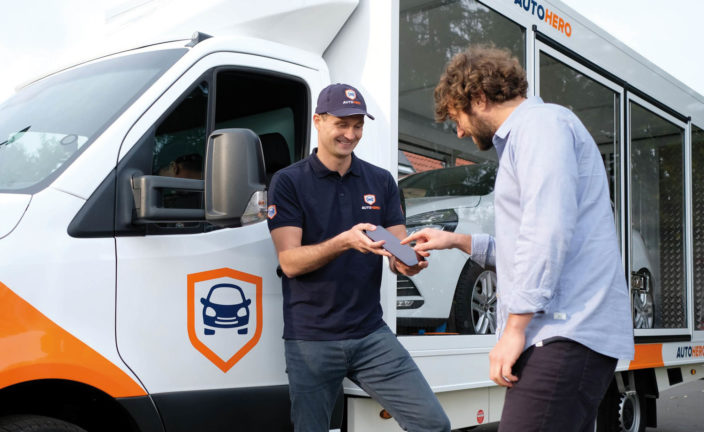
(483, 252)
(522, 304)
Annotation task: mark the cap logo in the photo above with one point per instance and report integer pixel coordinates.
(350, 94)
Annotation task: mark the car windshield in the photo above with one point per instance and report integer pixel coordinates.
(226, 296)
(474, 180)
(45, 125)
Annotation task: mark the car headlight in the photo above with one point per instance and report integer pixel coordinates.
(210, 312)
(445, 220)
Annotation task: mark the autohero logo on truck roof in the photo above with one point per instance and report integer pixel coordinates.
(544, 14)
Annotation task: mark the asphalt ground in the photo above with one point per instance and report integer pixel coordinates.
(680, 409)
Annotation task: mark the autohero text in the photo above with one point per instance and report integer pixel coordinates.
(545, 14)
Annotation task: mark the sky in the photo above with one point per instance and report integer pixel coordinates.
(665, 32)
(40, 34)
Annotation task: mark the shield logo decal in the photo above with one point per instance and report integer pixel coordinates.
(224, 314)
(351, 94)
(369, 199)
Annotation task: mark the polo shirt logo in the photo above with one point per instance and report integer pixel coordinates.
(271, 211)
(370, 199)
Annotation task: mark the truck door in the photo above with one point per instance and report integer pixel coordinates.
(199, 309)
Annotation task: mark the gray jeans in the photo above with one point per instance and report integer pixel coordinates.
(377, 363)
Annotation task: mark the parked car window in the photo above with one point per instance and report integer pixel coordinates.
(475, 179)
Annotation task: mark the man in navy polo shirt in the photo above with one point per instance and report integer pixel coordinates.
(333, 327)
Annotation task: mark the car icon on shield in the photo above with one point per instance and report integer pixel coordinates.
(225, 307)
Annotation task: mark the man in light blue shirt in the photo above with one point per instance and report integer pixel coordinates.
(563, 305)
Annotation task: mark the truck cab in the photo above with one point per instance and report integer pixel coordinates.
(132, 186)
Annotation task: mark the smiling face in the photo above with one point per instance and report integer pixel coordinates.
(474, 126)
(338, 136)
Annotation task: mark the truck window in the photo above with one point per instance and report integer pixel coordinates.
(179, 146)
(430, 34)
(275, 107)
(698, 216)
(597, 106)
(657, 215)
(47, 124)
(454, 295)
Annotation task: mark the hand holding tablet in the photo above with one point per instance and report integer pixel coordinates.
(404, 253)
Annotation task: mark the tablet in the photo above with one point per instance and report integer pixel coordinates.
(392, 244)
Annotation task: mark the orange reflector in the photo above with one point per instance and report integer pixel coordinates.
(384, 414)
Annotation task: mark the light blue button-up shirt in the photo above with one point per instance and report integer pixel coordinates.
(555, 247)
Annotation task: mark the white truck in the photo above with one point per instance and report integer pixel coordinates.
(138, 282)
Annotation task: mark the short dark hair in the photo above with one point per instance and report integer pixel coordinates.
(192, 161)
(479, 69)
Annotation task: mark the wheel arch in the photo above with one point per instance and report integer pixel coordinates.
(73, 402)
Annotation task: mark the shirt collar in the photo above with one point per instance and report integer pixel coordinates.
(321, 170)
(501, 134)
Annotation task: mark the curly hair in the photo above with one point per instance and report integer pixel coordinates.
(479, 70)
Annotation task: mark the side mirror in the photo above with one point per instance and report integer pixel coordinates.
(233, 185)
(235, 178)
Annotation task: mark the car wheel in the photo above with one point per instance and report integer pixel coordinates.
(32, 423)
(474, 304)
(621, 412)
(642, 297)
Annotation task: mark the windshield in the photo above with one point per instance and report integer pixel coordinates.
(46, 124)
(474, 180)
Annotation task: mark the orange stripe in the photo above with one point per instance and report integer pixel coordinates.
(647, 356)
(33, 347)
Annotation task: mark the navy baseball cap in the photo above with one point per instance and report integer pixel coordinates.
(341, 100)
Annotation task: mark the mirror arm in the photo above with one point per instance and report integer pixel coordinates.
(147, 191)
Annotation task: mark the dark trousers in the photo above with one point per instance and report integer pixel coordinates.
(559, 388)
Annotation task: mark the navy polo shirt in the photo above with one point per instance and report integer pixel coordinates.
(341, 299)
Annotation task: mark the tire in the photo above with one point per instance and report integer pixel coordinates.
(33, 423)
(474, 303)
(621, 412)
(643, 302)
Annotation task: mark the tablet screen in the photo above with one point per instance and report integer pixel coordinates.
(392, 244)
